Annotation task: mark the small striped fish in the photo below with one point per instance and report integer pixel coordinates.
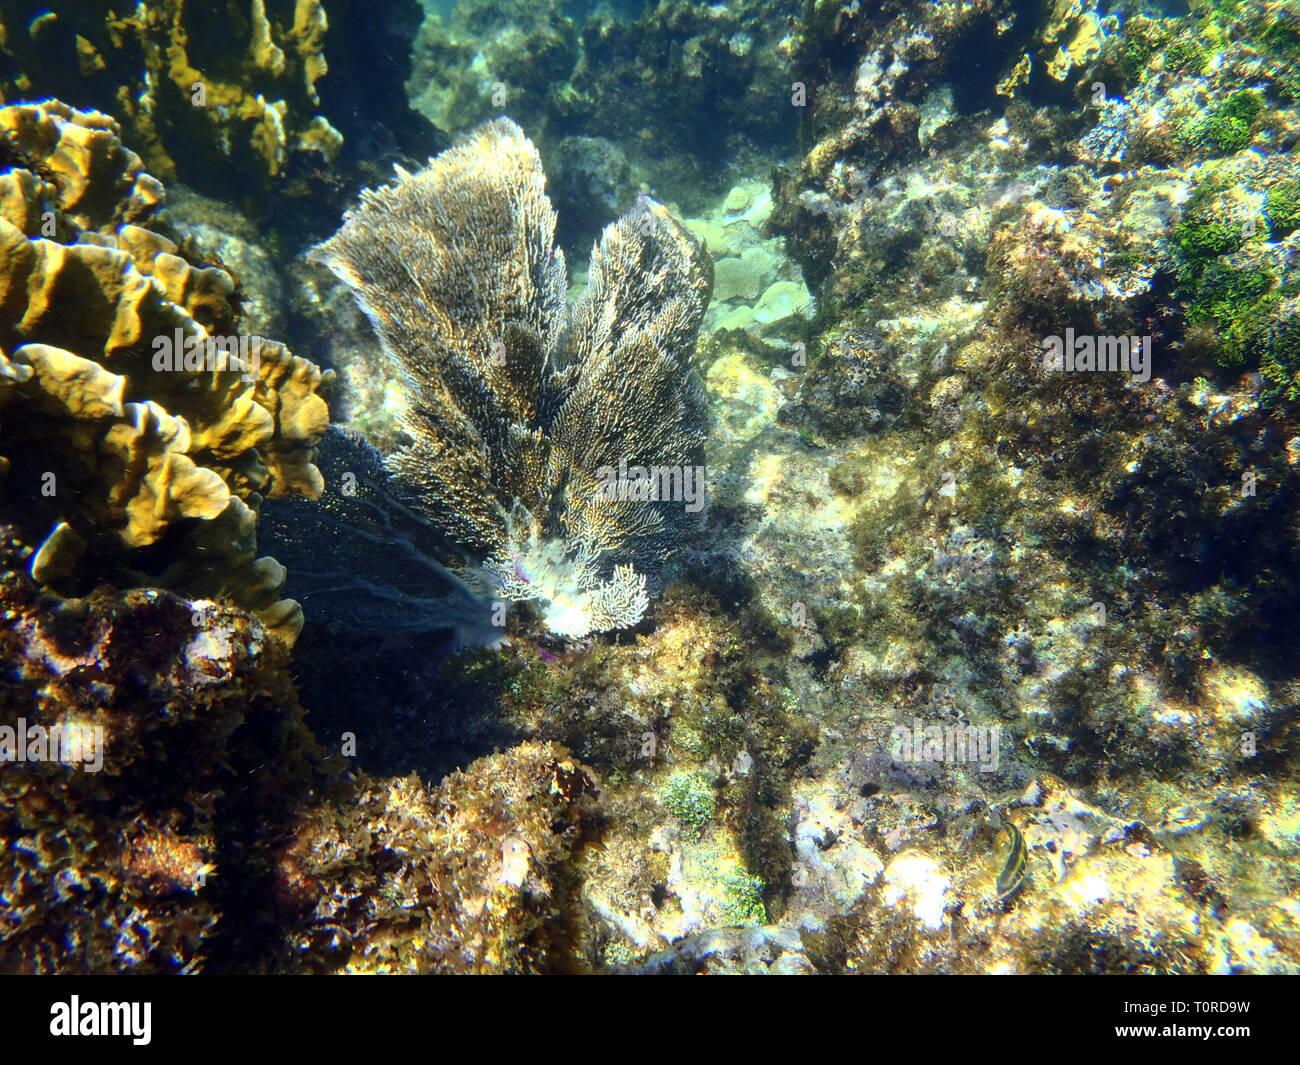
(1012, 877)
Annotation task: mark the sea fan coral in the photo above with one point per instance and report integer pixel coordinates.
(558, 449)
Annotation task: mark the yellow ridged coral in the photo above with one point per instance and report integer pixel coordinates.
(1075, 32)
(99, 181)
(133, 413)
(188, 81)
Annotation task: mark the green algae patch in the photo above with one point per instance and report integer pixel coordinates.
(689, 796)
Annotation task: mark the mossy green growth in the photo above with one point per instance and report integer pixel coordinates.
(1217, 12)
(1216, 286)
(1234, 299)
(1186, 56)
(1209, 231)
(1227, 134)
(1256, 321)
(1279, 34)
(1279, 348)
(688, 794)
(743, 904)
(1225, 291)
(1242, 325)
(1288, 85)
(1244, 104)
(809, 438)
(1228, 128)
(1282, 209)
(1143, 37)
(1274, 30)
(1202, 237)
(1211, 17)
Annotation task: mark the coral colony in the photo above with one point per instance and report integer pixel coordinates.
(136, 450)
(784, 486)
(521, 410)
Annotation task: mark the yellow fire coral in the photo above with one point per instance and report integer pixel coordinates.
(189, 81)
(140, 429)
(1076, 32)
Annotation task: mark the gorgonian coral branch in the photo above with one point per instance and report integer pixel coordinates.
(518, 411)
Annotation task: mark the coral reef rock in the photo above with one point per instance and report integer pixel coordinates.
(165, 809)
(695, 96)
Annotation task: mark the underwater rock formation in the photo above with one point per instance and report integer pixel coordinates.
(696, 95)
(590, 180)
(1230, 259)
(140, 430)
(165, 809)
(470, 876)
(131, 722)
(758, 291)
(564, 451)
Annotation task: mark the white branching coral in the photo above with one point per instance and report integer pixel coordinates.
(566, 584)
(519, 410)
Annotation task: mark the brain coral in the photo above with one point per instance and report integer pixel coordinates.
(561, 448)
(139, 430)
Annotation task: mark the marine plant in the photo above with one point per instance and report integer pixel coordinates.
(1232, 278)
(1282, 208)
(1228, 128)
(689, 796)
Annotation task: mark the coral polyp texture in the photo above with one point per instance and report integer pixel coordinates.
(558, 448)
(141, 429)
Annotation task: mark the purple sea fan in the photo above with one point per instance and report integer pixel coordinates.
(517, 405)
